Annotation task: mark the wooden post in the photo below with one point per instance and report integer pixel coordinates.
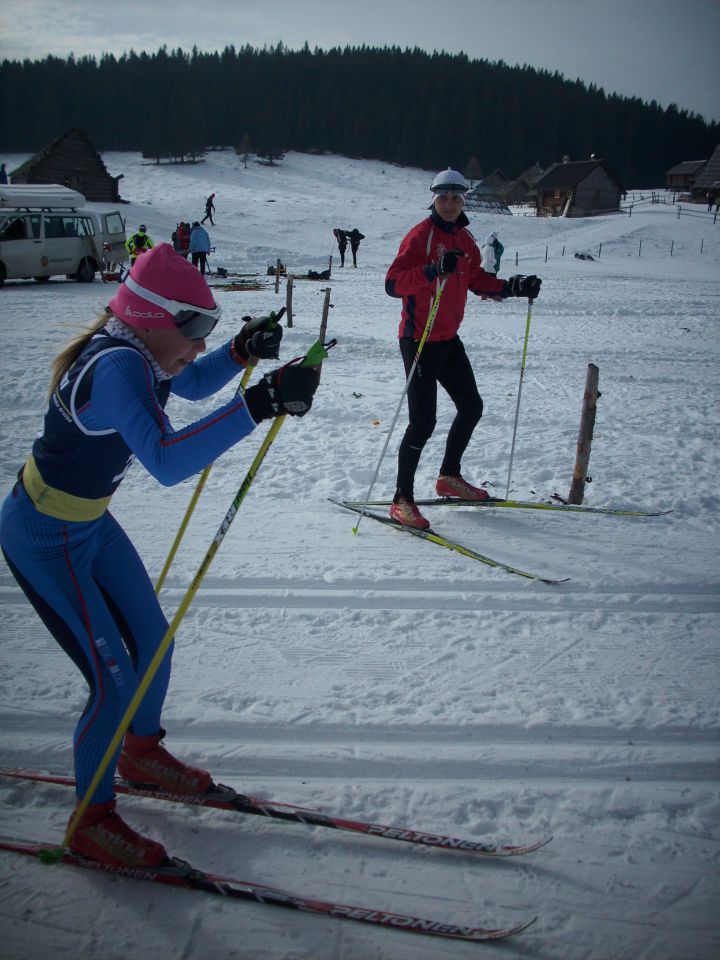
(587, 423)
(325, 313)
(330, 266)
(288, 300)
(277, 276)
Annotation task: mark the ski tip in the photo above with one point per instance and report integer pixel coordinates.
(518, 928)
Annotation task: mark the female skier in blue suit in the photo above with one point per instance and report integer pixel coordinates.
(71, 557)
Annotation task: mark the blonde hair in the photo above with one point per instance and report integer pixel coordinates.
(72, 350)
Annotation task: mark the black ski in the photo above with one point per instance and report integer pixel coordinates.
(225, 798)
(179, 874)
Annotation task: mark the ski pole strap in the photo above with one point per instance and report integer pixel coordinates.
(317, 353)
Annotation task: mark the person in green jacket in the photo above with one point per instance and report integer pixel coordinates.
(139, 243)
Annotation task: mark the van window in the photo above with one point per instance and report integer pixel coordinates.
(34, 219)
(15, 229)
(68, 226)
(114, 223)
(54, 227)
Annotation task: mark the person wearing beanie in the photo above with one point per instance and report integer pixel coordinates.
(140, 242)
(108, 392)
(437, 264)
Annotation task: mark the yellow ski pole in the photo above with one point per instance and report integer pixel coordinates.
(520, 386)
(195, 497)
(316, 354)
(252, 363)
(421, 344)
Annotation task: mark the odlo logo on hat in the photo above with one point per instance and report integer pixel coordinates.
(143, 315)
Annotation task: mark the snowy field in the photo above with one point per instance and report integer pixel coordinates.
(379, 676)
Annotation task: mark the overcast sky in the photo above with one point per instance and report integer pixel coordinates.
(663, 50)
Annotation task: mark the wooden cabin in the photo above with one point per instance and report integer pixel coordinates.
(72, 161)
(681, 177)
(707, 181)
(521, 189)
(581, 188)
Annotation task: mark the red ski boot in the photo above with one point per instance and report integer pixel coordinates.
(407, 513)
(458, 488)
(103, 835)
(145, 760)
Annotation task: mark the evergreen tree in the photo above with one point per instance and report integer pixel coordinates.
(405, 106)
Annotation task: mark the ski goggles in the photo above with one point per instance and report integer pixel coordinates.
(449, 194)
(192, 321)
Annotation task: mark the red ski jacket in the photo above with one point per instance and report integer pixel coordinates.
(413, 277)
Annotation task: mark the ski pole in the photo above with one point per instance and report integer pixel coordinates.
(517, 409)
(315, 355)
(421, 344)
(252, 363)
(194, 499)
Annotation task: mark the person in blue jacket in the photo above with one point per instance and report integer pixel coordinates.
(108, 392)
(199, 246)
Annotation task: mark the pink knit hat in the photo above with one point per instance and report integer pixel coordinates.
(167, 275)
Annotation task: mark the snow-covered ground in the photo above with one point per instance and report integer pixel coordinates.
(382, 677)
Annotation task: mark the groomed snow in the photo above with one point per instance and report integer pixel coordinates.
(382, 677)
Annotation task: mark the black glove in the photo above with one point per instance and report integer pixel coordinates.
(260, 337)
(447, 262)
(289, 389)
(519, 286)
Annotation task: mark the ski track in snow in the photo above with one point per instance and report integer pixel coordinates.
(376, 676)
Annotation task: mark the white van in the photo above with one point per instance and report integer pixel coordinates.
(45, 230)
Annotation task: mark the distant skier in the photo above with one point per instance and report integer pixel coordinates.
(3, 174)
(199, 247)
(140, 242)
(440, 254)
(355, 237)
(181, 239)
(342, 241)
(209, 210)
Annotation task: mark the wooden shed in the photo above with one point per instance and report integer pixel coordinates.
(72, 161)
(681, 177)
(522, 188)
(581, 188)
(707, 182)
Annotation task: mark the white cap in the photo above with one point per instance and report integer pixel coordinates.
(449, 180)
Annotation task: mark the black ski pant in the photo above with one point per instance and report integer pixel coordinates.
(199, 260)
(441, 362)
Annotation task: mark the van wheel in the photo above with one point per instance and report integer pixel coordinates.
(41, 279)
(86, 271)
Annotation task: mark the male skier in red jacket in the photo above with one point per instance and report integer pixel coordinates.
(441, 253)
